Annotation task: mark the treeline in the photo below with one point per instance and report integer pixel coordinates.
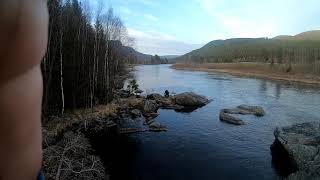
(84, 56)
(156, 60)
(274, 51)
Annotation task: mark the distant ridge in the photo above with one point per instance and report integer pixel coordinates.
(170, 56)
(303, 47)
(308, 35)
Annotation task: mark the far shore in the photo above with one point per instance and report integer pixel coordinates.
(256, 70)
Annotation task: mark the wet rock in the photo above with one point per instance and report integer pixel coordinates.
(157, 127)
(150, 106)
(150, 116)
(160, 100)
(190, 99)
(155, 96)
(172, 106)
(135, 113)
(256, 110)
(131, 130)
(150, 121)
(230, 119)
(246, 110)
(302, 142)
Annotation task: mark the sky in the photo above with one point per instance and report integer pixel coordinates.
(175, 27)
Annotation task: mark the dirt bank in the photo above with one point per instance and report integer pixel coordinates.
(298, 74)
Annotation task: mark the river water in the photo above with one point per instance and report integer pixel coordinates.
(198, 146)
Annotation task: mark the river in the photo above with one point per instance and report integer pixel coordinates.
(197, 145)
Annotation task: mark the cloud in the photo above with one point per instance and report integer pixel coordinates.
(247, 18)
(146, 2)
(125, 10)
(250, 28)
(152, 42)
(150, 17)
(150, 34)
(209, 6)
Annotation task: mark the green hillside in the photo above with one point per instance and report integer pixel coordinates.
(282, 49)
(309, 35)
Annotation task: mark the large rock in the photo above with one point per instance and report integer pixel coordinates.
(230, 119)
(155, 96)
(163, 102)
(302, 142)
(135, 103)
(190, 99)
(150, 106)
(246, 110)
(256, 110)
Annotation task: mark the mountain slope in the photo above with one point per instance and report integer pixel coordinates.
(129, 54)
(304, 47)
(309, 35)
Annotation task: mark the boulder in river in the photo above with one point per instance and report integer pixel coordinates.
(246, 110)
(230, 119)
(302, 142)
(150, 106)
(256, 110)
(190, 99)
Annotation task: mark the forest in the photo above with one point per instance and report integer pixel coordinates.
(84, 59)
(273, 51)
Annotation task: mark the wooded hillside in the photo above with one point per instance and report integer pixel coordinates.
(280, 50)
(85, 55)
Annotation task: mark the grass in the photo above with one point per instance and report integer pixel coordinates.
(58, 124)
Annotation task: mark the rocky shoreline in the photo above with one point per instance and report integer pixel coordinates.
(65, 138)
(302, 144)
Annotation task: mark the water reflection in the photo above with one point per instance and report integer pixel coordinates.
(278, 90)
(197, 145)
(263, 85)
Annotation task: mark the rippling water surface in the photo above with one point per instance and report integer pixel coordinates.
(198, 146)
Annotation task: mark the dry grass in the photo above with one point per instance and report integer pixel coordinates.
(57, 124)
(298, 73)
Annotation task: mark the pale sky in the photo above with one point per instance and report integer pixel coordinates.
(175, 27)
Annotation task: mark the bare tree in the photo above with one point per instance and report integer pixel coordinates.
(70, 159)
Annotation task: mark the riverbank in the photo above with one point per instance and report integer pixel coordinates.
(67, 139)
(298, 74)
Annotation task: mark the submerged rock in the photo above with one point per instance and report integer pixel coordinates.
(302, 142)
(190, 99)
(230, 119)
(157, 127)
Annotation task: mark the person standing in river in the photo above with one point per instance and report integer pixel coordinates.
(23, 41)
